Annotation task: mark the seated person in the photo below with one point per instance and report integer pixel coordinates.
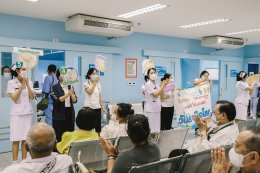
(144, 151)
(40, 142)
(117, 128)
(245, 154)
(85, 121)
(224, 133)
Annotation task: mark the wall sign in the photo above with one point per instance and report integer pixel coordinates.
(131, 67)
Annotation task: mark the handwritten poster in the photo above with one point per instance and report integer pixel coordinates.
(190, 102)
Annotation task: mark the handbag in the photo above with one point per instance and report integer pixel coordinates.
(43, 104)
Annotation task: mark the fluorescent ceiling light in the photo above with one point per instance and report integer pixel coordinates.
(32, 0)
(143, 10)
(205, 23)
(243, 32)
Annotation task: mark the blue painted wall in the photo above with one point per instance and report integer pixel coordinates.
(190, 69)
(132, 46)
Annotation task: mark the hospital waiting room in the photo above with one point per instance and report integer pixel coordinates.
(151, 86)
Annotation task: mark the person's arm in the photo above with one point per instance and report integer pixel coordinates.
(55, 96)
(251, 87)
(29, 88)
(15, 94)
(111, 153)
(157, 93)
(91, 89)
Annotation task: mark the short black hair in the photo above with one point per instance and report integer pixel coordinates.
(166, 76)
(241, 75)
(146, 77)
(138, 128)
(253, 143)
(228, 108)
(90, 71)
(52, 68)
(86, 119)
(124, 109)
(203, 72)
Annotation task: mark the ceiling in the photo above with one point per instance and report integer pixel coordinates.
(245, 14)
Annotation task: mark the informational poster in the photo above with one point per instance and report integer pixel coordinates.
(146, 64)
(131, 67)
(233, 73)
(161, 70)
(100, 63)
(190, 102)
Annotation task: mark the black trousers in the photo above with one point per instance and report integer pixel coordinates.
(166, 118)
(98, 120)
(61, 126)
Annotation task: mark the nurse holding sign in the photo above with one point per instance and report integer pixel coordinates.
(20, 89)
(21, 93)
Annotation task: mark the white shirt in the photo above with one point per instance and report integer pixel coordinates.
(225, 136)
(242, 94)
(151, 104)
(92, 100)
(113, 130)
(67, 100)
(37, 165)
(22, 106)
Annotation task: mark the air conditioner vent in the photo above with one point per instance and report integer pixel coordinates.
(120, 27)
(222, 42)
(98, 26)
(95, 23)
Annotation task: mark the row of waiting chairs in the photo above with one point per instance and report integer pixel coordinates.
(189, 163)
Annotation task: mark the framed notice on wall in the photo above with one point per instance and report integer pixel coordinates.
(131, 67)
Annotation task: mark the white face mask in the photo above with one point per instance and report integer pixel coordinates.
(93, 77)
(23, 74)
(7, 75)
(235, 158)
(153, 76)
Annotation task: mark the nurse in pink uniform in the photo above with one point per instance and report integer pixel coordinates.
(152, 99)
(20, 91)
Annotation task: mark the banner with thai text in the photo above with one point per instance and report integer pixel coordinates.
(190, 102)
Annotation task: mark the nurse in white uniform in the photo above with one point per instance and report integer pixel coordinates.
(20, 91)
(152, 99)
(242, 99)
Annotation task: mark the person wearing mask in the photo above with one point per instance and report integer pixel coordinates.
(63, 114)
(204, 79)
(167, 103)
(39, 143)
(49, 81)
(242, 99)
(6, 76)
(245, 154)
(225, 131)
(21, 93)
(117, 128)
(93, 97)
(138, 131)
(85, 121)
(152, 99)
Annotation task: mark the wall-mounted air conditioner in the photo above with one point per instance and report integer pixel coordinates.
(222, 42)
(98, 26)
